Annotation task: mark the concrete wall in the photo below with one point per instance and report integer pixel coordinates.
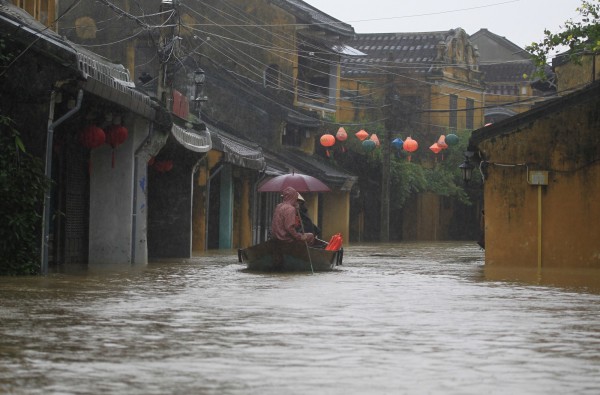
(561, 216)
(111, 203)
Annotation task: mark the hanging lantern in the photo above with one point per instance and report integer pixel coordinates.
(361, 134)
(163, 166)
(368, 145)
(375, 139)
(435, 148)
(327, 140)
(92, 137)
(451, 139)
(442, 142)
(410, 145)
(341, 134)
(115, 136)
(397, 143)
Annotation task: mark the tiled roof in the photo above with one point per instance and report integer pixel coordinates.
(506, 78)
(416, 50)
(309, 14)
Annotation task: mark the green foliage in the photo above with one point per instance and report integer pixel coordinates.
(407, 178)
(22, 187)
(579, 37)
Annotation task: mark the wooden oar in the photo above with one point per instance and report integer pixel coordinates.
(305, 242)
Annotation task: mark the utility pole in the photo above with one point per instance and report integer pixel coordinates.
(390, 115)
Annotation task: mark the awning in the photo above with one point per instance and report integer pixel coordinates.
(315, 166)
(107, 80)
(300, 119)
(237, 151)
(194, 140)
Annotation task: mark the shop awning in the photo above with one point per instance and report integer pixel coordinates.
(237, 151)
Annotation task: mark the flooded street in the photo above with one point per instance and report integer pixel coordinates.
(395, 319)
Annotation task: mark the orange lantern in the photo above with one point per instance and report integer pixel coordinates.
(442, 142)
(410, 145)
(361, 134)
(435, 148)
(115, 136)
(341, 134)
(375, 139)
(327, 140)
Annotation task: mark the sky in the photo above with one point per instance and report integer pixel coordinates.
(519, 21)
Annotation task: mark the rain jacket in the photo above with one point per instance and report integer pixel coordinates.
(283, 226)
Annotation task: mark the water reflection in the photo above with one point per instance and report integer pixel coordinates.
(410, 318)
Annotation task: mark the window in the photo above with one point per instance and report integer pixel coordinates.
(453, 121)
(292, 135)
(470, 113)
(272, 77)
(41, 10)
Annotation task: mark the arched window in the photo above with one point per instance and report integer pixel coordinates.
(272, 76)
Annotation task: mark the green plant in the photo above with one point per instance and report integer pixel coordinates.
(22, 186)
(578, 37)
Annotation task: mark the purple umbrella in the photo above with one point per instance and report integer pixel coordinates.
(300, 182)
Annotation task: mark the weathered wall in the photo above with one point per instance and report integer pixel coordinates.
(566, 143)
(336, 211)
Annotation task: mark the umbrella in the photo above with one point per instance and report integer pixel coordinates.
(300, 182)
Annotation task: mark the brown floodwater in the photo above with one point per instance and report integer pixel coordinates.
(409, 318)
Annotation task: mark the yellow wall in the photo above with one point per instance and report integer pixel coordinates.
(568, 148)
(572, 75)
(336, 214)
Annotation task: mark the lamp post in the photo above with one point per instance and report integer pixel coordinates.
(199, 98)
(466, 168)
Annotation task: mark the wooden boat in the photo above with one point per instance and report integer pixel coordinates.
(274, 255)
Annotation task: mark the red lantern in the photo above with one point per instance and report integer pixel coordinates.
(410, 145)
(92, 137)
(115, 136)
(163, 166)
(327, 140)
(362, 135)
(341, 134)
(375, 139)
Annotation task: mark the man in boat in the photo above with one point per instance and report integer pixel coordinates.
(307, 225)
(286, 218)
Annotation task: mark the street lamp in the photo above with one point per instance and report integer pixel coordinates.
(466, 168)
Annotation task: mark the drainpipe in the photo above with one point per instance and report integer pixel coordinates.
(48, 170)
(207, 203)
(135, 193)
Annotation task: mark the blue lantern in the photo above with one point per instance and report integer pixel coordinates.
(397, 143)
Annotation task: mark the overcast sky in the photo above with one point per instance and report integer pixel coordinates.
(520, 21)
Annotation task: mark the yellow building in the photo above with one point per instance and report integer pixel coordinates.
(422, 85)
(542, 179)
(509, 74)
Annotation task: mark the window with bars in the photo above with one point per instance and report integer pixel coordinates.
(42, 10)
